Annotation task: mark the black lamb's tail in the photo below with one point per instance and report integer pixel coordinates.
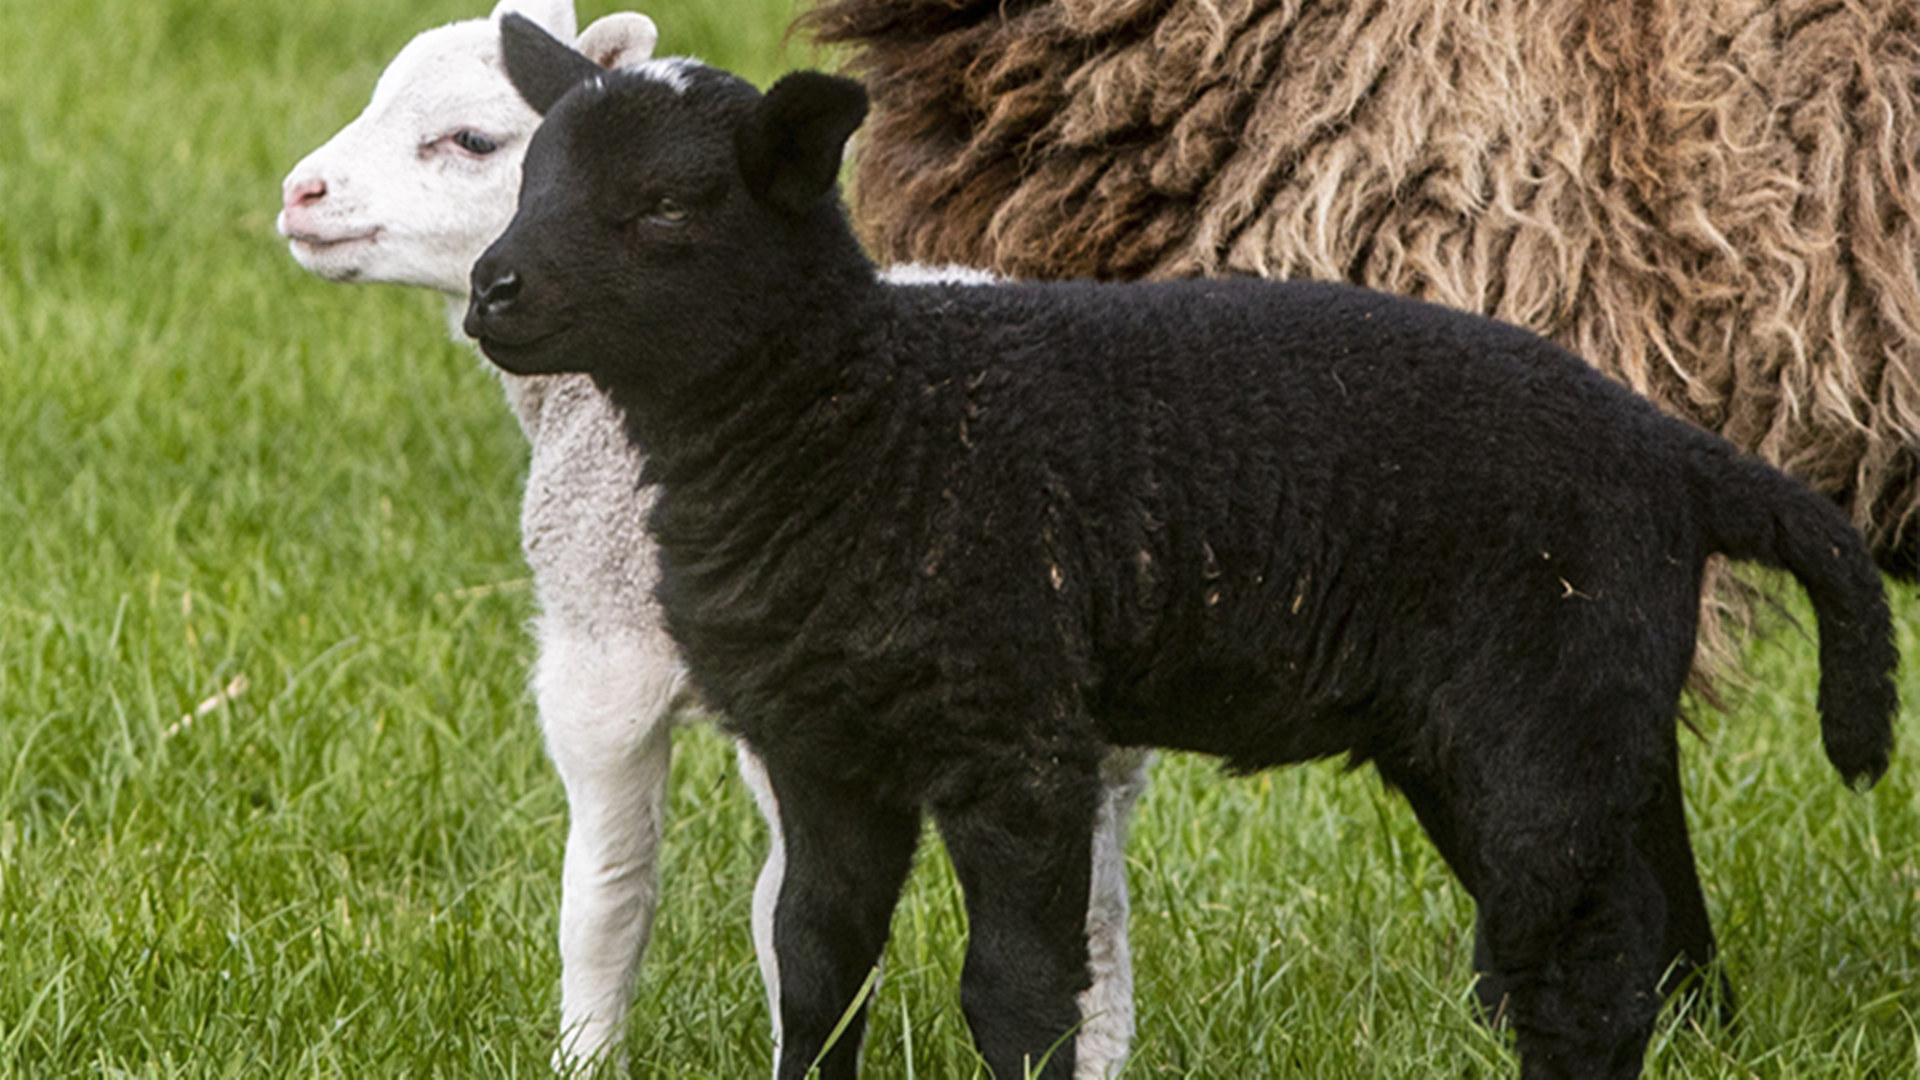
(1755, 512)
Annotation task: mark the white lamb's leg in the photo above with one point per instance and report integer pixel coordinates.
(766, 889)
(1106, 1007)
(604, 702)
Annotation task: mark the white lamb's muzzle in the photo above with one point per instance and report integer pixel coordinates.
(340, 256)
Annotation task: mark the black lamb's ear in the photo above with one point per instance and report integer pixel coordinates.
(790, 148)
(541, 68)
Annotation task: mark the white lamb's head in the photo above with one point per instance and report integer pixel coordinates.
(416, 187)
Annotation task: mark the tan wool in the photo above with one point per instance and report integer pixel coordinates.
(1716, 201)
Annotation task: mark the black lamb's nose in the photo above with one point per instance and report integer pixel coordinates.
(498, 294)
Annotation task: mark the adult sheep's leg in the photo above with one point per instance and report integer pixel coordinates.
(1106, 1007)
(1023, 853)
(822, 906)
(604, 702)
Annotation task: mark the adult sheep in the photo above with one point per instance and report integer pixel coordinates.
(941, 549)
(1715, 201)
(411, 192)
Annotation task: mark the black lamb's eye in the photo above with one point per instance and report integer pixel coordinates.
(474, 143)
(667, 212)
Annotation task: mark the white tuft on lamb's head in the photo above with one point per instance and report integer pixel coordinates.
(416, 187)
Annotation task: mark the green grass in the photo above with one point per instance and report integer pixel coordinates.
(217, 473)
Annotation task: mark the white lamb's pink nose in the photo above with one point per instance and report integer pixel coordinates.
(303, 194)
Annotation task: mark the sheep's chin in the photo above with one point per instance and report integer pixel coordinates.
(534, 354)
(334, 258)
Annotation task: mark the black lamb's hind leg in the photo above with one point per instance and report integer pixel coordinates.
(1436, 817)
(1688, 949)
(1568, 941)
(1572, 912)
(1023, 854)
(845, 856)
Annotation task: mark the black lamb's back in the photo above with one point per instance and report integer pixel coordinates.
(1221, 499)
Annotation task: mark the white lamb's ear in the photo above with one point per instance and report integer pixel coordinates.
(554, 16)
(619, 40)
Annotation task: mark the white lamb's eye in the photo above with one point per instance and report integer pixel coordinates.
(668, 212)
(474, 143)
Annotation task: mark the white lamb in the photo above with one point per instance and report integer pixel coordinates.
(411, 192)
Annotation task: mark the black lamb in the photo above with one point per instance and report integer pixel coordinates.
(937, 549)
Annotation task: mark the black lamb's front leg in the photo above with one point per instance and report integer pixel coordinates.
(840, 857)
(1022, 850)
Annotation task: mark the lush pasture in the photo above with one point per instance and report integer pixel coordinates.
(272, 802)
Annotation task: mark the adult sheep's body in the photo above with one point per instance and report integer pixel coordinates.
(1716, 201)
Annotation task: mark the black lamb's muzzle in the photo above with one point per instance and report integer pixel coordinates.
(503, 320)
(517, 358)
(493, 287)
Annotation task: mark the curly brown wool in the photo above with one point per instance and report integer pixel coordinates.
(1716, 201)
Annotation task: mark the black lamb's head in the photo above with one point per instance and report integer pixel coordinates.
(664, 209)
